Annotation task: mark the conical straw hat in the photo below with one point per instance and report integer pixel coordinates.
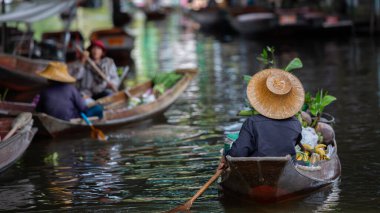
(275, 93)
(57, 71)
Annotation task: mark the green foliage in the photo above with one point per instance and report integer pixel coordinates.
(307, 102)
(267, 57)
(319, 102)
(164, 81)
(247, 78)
(52, 159)
(296, 63)
(249, 112)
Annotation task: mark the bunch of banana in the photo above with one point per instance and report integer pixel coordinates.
(302, 156)
(308, 148)
(319, 149)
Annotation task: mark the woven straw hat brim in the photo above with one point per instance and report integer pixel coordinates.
(57, 72)
(272, 105)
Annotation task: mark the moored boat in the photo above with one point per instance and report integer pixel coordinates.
(19, 73)
(118, 43)
(13, 148)
(252, 21)
(154, 15)
(117, 110)
(296, 22)
(210, 17)
(56, 39)
(274, 179)
(15, 108)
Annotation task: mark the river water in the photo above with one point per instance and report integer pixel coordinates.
(161, 164)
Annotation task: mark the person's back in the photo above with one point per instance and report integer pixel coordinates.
(261, 136)
(277, 96)
(62, 101)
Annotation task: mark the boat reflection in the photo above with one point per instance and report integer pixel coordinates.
(80, 176)
(325, 200)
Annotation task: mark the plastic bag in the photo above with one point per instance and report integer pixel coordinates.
(309, 136)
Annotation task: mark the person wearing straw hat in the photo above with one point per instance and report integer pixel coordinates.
(90, 84)
(277, 95)
(61, 99)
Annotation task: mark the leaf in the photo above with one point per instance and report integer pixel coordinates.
(159, 88)
(296, 63)
(308, 98)
(313, 111)
(247, 78)
(327, 100)
(264, 54)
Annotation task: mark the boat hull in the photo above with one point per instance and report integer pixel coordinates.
(19, 73)
(54, 127)
(15, 108)
(275, 179)
(14, 147)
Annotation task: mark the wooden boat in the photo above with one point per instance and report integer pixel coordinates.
(56, 39)
(13, 148)
(19, 73)
(118, 44)
(154, 15)
(295, 22)
(273, 179)
(209, 17)
(252, 21)
(15, 108)
(116, 110)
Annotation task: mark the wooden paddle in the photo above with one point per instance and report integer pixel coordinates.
(20, 121)
(186, 206)
(95, 133)
(97, 69)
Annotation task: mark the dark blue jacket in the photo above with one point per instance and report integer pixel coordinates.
(261, 136)
(62, 101)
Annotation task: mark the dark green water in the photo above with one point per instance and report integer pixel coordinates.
(162, 164)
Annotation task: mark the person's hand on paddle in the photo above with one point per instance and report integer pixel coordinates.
(85, 56)
(111, 86)
(223, 163)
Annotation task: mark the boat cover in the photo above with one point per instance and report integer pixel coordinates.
(30, 12)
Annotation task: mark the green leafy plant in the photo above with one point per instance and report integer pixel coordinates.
(267, 57)
(164, 81)
(318, 103)
(296, 63)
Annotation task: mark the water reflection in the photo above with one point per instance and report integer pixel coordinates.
(17, 196)
(325, 200)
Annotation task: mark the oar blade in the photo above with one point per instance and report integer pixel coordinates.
(98, 134)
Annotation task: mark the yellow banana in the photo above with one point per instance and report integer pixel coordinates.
(321, 145)
(299, 156)
(307, 147)
(305, 157)
(320, 151)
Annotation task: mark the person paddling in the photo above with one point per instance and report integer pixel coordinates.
(61, 99)
(90, 83)
(277, 95)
